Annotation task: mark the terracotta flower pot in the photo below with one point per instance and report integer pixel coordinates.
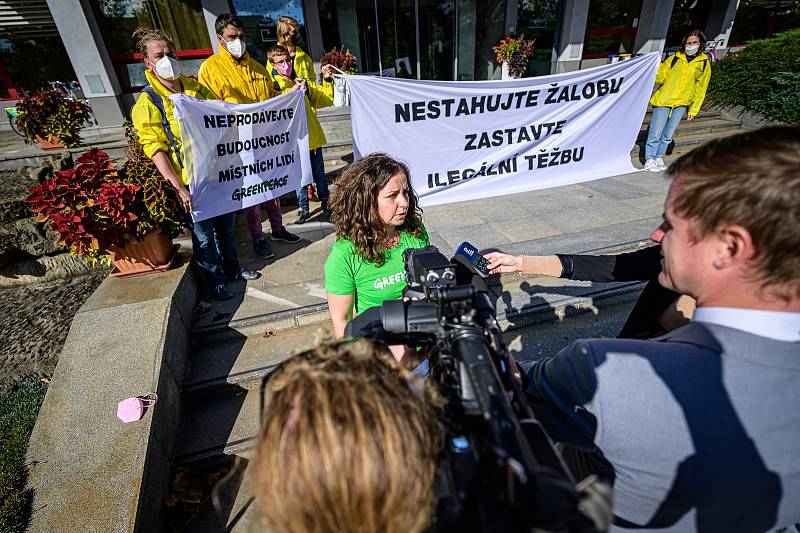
(47, 145)
(154, 253)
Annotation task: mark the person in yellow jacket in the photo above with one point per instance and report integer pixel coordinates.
(316, 96)
(288, 32)
(160, 137)
(683, 78)
(235, 77)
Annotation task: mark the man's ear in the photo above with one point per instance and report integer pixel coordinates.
(735, 247)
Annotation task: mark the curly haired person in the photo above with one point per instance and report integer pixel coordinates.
(377, 217)
(349, 443)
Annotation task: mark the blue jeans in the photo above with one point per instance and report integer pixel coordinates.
(212, 238)
(318, 171)
(662, 125)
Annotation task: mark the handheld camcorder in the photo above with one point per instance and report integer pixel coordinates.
(500, 471)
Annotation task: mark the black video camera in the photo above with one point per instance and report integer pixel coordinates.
(500, 471)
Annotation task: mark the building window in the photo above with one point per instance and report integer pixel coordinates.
(181, 19)
(759, 19)
(538, 20)
(687, 15)
(260, 19)
(611, 27)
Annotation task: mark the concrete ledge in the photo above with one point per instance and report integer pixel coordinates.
(88, 470)
(750, 120)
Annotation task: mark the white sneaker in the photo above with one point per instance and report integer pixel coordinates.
(661, 165)
(651, 165)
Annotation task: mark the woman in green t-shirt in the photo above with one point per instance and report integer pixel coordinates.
(377, 217)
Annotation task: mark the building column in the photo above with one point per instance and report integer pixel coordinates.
(211, 10)
(573, 31)
(654, 18)
(720, 23)
(314, 33)
(87, 52)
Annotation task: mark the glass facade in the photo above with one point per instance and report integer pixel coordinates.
(260, 18)
(758, 19)
(426, 39)
(611, 27)
(540, 20)
(687, 15)
(181, 19)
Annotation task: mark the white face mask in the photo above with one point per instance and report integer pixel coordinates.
(691, 49)
(168, 68)
(236, 47)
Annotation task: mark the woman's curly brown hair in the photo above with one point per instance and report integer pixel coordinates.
(354, 205)
(347, 443)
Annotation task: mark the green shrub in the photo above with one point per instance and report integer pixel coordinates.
(18, 410)
(764, 77)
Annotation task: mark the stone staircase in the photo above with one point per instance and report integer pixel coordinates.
(221, 392)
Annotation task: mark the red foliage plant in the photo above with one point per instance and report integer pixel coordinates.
(341, 59)
(89, 207)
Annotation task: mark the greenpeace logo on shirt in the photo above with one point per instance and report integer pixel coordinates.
(382, 283)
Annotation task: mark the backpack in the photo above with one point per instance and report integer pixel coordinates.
(159, 103)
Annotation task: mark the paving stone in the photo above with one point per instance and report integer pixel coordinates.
(481, 236)
(566, 218)
(451, 216)
(525, 228)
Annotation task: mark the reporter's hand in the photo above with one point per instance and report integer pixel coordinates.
(500, 262)
(327, 72)
(185, 199)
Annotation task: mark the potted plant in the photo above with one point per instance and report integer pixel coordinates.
(52, 119)
(346, 62)
(126, 217)
(513, 53)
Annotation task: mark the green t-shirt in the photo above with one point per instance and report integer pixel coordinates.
(347, 273)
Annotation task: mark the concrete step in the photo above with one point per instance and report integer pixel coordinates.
(234, 361)
(235, 511)
(687, 143)
(698, 127)
(704, 115)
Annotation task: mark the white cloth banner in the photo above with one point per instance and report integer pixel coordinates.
(468, 140)
(238, 155)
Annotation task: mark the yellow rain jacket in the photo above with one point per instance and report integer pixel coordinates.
(683, 82)
(147, 119)
(238, 81)
(316, 96)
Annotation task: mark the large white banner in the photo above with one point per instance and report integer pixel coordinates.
(238, 155)
(468, 140)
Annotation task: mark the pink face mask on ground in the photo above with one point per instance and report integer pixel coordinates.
(134, 408)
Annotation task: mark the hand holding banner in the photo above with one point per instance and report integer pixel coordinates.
(238, 155)
(468, 140)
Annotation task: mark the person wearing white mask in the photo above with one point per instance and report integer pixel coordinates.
(683, 79)
(234, 76)
(160, 137)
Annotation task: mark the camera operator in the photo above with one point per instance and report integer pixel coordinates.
(349, 443)
(699, 428)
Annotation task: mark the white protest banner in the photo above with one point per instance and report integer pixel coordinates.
(238, 155)
(468, 140)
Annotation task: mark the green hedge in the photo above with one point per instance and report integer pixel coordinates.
(764, 77)
(18, 410)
